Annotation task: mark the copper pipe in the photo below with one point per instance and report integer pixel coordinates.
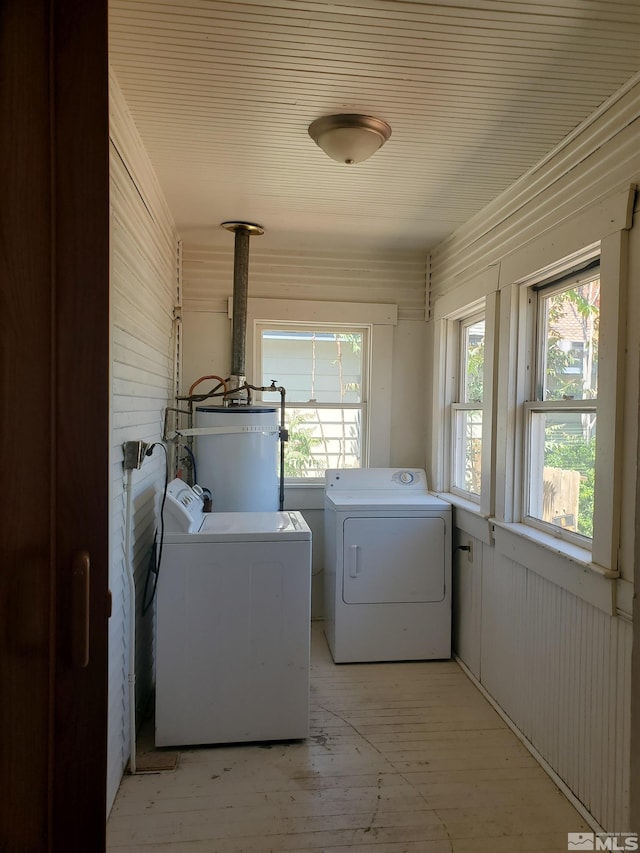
(202, 379)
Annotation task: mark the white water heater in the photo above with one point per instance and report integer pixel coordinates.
(238, 459)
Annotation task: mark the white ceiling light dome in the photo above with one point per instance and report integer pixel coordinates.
(349, 138)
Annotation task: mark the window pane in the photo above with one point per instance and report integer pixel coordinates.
(321, 439)
(468, 450)
(313, 365)
(563, 448)
(570, 343)
(473, 362)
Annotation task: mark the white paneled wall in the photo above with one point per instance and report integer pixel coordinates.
(396, 278)
(558, 666)
(467, 600)
(385, 276)
(143, 295)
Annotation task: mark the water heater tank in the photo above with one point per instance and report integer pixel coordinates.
(238, 462)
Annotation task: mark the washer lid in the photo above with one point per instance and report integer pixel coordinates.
(247, 527)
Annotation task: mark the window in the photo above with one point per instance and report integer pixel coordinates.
(324, 371)
(466, 457)
(560, 422)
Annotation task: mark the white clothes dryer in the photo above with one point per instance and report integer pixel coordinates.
(387, 566)
(233, 624)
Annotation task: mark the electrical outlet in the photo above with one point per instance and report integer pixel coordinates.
(134, 453)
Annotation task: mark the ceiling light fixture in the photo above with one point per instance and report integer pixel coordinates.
(349, 138)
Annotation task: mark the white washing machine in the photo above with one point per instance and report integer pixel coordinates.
(387, 566)
(232, 625)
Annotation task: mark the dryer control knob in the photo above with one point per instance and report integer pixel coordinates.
(406, 477)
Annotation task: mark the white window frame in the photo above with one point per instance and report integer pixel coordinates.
(546, 247)
(362, 406)
(536, 293)
(380, 318)
(458, 405)
(515, 392)
(448, 312)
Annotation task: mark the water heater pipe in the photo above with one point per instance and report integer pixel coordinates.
(222, 382)
(284, 436)
(284, 433)
(242, 231)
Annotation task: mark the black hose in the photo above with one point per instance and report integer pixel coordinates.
(155, 558)
(189, 452)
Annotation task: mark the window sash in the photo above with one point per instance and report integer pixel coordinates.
(331, 448)
(535, 502)
(464, 326)
(533, 486)
(311, 404)
(543, 294)
(462, 469)
(361, 406)
(464, 444)
(363, 330)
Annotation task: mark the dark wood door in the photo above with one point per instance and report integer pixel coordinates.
(54, 346)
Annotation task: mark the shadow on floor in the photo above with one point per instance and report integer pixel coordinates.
(149, 758)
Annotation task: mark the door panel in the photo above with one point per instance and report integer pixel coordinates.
(389, 560)
(81, 405)
(25, 558)
(54, 453)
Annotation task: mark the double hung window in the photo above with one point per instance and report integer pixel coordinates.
(466, 457)
(324, 371)
(560, 420)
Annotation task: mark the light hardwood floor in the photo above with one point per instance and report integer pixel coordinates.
(402, 758)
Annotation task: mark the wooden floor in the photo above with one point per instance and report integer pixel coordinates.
(402, 758)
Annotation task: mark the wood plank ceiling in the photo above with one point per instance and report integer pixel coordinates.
(222, 94)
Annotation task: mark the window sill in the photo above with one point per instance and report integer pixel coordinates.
(304, 495)
(467, 516)
(459, 501)
(562, 563)
(303, 484)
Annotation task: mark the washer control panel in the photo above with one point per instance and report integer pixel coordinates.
(183, 508)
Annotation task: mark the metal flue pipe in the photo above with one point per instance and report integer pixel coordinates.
(243, 231)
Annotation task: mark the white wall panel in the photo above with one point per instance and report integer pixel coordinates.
(408, 394)
(393, 277)
(143, 293)
(560, 669)
(502, 636)
(467, 600)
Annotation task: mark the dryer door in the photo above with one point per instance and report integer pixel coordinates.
(393, 560)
